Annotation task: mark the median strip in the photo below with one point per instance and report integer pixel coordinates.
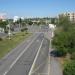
(7, 45)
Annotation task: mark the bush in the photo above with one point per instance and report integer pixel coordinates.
(73, 56)
(61, 53)
(26, 32)
(6, 31)
(24, 29)
(1, 39)
(69, 68)
(65, 42)
(58, 53)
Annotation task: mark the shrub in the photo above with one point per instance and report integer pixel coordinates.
(1, 39)
(24, 29)
(69, 68)
(73, 56)
(6, 31)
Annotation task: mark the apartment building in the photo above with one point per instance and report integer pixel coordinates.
(71, 16)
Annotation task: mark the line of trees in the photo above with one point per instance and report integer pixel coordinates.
(3, 23)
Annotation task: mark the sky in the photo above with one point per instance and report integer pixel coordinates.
(36, 8)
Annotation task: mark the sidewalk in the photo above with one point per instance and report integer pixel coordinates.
(55, 66)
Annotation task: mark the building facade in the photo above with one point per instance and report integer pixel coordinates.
(3, 16)
(71, 16)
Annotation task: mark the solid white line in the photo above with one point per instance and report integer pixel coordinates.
(19, 57)
(40, 66)
(30, 72)
(49, 66)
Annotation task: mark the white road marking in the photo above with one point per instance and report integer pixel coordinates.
(18, 57)
(30, 72)
(49, 65)
(39, 66)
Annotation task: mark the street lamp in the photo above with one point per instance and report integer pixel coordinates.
(9, 33)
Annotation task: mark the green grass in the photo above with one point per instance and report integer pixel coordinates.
(7, 45)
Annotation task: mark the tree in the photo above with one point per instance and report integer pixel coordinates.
(64, 22)
(53, 20)
(3, 23)
(30, 22)
(60, 42)
(65, 41)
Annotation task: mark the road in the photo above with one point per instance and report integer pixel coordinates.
(42, 65)
(3, 35)
(43, 69)
(20, 59)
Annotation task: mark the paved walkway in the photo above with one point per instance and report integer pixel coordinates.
(55, 67)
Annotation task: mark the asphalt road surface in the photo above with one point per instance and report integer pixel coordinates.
(20, 59)
(3, 35)
(41, 65)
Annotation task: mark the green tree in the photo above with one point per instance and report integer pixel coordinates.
(60, 42)
(64, 22)
(53, 20)
(3, 23)
(65, 41)
(30, 22)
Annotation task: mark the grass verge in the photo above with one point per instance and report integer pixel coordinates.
(7, 45)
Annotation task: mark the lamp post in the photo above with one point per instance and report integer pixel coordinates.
(9, 33)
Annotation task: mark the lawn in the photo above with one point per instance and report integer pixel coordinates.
(7, 45)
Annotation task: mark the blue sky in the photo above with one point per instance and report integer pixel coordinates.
(36, 8)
